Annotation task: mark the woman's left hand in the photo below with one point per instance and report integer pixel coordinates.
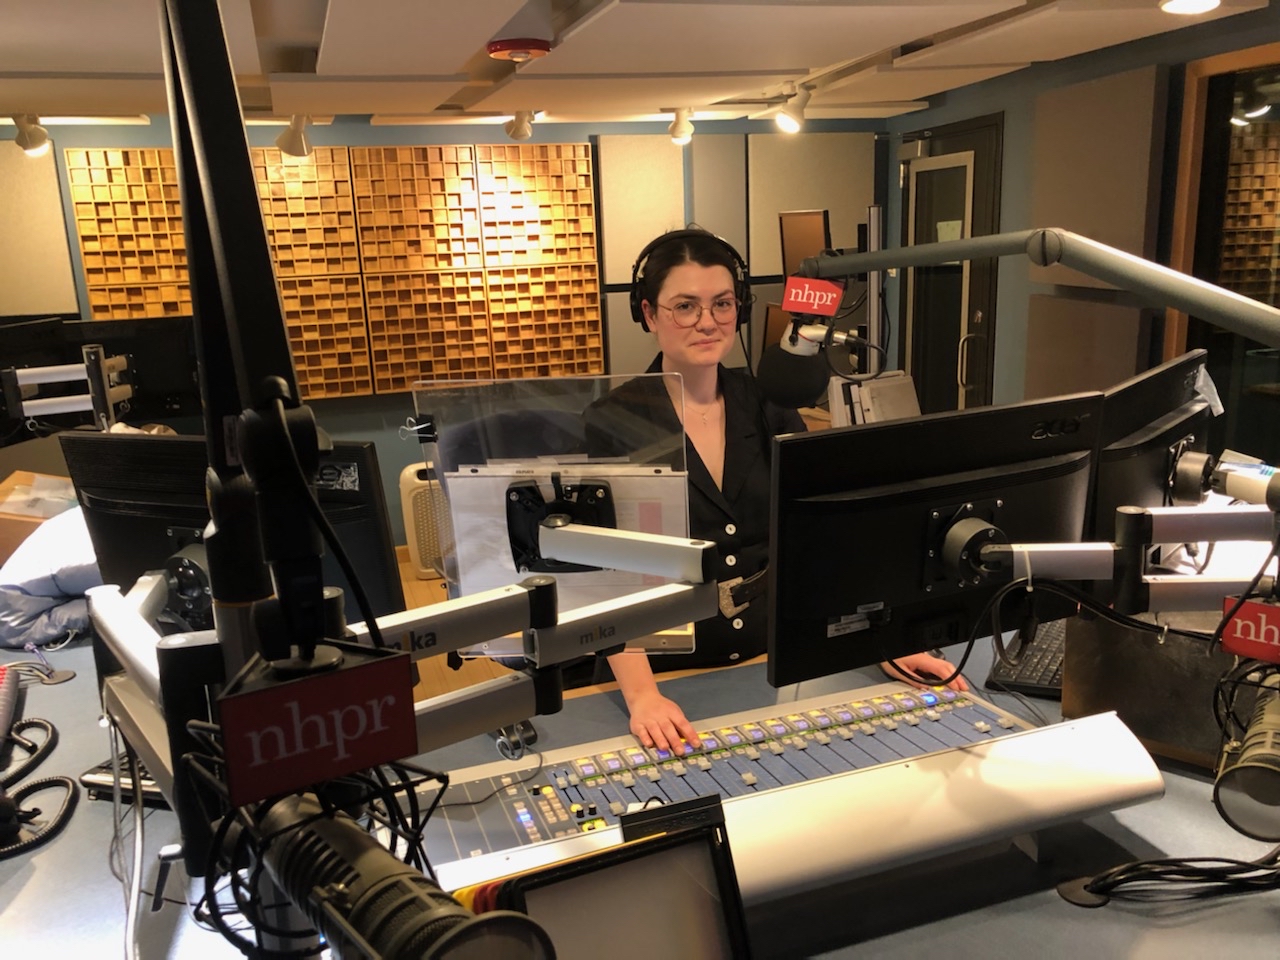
(927, 667)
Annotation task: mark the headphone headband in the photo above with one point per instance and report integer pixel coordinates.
(741, 275)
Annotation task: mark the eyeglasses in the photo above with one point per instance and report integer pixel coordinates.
(687, 313)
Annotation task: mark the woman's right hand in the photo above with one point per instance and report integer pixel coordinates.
(657, 721)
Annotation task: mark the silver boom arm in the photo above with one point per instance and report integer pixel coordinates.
(1045, 247)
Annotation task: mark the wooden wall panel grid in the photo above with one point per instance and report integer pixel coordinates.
(1250, 229)
(545, 321)
(428, 326)
(129, 222)
(308, 210)
(537, 204)
(417, 208)
(328, 335)
(380, 255)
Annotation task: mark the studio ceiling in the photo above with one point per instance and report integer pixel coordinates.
(610, 60)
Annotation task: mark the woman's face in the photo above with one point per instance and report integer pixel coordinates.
(708, 340)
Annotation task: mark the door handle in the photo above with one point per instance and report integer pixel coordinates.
(962, 360)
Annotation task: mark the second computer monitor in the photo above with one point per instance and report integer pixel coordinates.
(860, 517)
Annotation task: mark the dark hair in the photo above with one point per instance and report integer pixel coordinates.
(690, 245)
(684, 246)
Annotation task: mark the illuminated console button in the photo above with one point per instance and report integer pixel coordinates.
(635, 756)
(905, 702)
(709, 741)
(611, 762)
(821, 718)
(863, 710)
(843, 714)
(929, 697)
(799, 722)
(947, 694)
(731, 736)
(884, 706)
(754, 732)
(661, 755)
(586, 767)
(775, 726)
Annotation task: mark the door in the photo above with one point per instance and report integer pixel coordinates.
(945, 340)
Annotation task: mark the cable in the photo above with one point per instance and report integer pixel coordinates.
(1245, 594)
(495, 791)
(1192, 879)
(326, 530)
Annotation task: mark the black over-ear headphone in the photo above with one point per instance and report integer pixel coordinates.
(741, 276)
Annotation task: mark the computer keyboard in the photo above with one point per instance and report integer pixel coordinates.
(1039, 672)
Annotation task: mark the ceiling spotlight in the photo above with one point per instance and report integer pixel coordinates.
(790, 116)
(32, 138)
(519, 50)
(681, 128)
(520, 127)
(1189, 7)
(293, 141)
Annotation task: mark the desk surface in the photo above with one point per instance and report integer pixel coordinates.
(64, 898)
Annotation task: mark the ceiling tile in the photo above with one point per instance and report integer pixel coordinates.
(704, 37)
(407, 36)
(1063, 29)
(119, 36)
(79, 97)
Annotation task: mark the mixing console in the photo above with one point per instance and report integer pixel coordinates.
(814, 792)
(588, 792)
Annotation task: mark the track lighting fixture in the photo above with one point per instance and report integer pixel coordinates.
(520, 127)
(790, 116)
(293, 141)
(681, 129)
(32, 138)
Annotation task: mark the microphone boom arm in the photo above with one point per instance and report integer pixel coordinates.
(1160, 285)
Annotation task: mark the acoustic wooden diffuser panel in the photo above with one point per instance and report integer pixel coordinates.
(130, 225)
(1250, 227)
(395, 264)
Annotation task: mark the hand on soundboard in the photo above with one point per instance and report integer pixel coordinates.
(657, 721)
(926, 666)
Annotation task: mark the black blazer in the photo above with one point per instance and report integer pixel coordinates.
(736, 518)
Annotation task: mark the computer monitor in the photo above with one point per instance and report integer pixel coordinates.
(143, 498)
(1148, 422)
(860, 517)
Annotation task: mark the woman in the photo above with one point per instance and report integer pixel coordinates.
(690, 290)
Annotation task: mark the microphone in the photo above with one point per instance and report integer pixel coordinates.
(792, 380)
(793, 373)
(1247, 788)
